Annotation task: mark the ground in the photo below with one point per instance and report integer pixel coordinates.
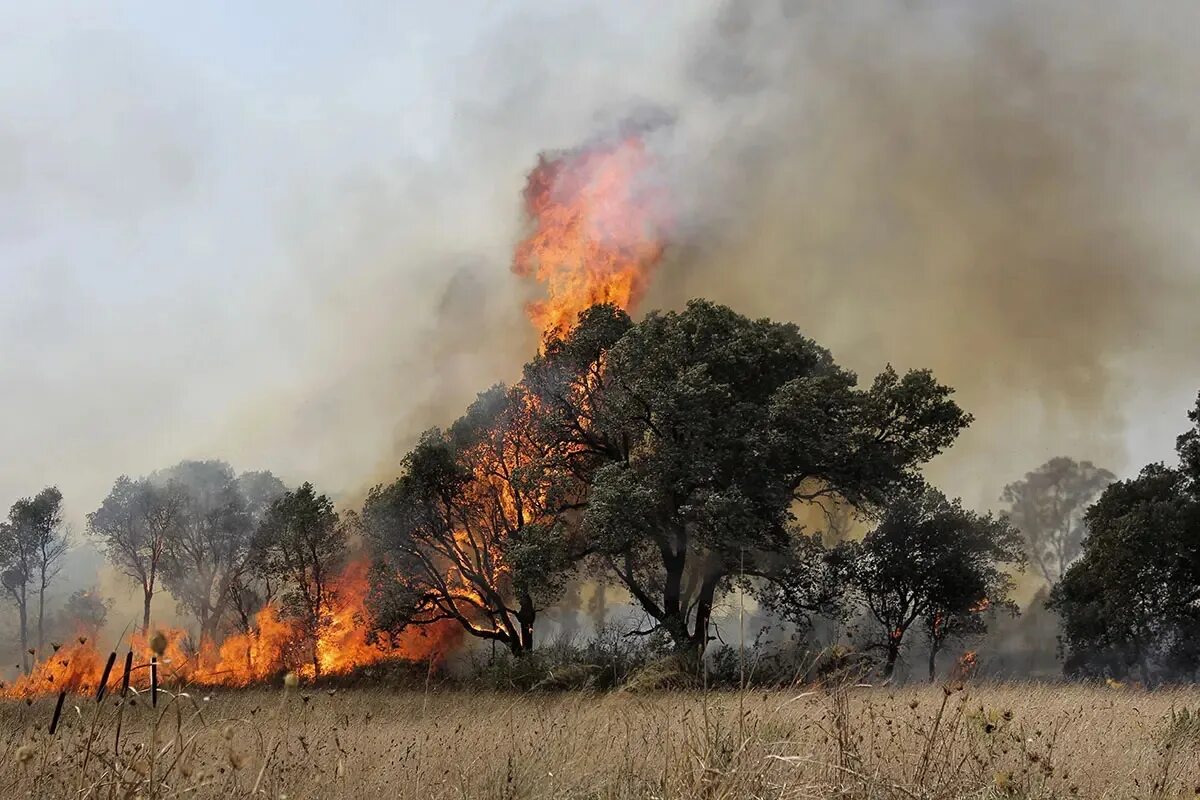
(1012, 740)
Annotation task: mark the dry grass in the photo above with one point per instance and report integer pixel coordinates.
(983, 741)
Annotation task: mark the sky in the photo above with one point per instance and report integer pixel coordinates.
(281, 235)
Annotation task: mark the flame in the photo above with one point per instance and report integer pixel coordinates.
(983, 605)
(275, 644)
(599, 226)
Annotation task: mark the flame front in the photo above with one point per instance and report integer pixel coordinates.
(274, 645)
(599, 221)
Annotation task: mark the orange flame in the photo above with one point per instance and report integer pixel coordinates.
(599, 226)
(275, 645)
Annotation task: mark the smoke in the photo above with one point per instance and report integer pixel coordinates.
(994, 191)
(285, 241)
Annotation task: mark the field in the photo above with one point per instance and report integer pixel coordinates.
(1010, 740)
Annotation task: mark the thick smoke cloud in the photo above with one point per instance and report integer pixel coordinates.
(996, 191)
(284, 240)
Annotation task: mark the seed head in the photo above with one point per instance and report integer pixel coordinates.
(158, 643)
(291, 680)
(24, 753)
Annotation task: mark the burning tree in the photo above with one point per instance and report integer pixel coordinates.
(207, 560)
(468, 532)
(933, 563)
(302, 540)
(696, 433)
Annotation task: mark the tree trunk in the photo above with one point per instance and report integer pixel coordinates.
(23, 612)
(526, 614)
(934, 647)
(704, 604)
(147, 594)
(893, 653)
(41, 615)
(672, 608)
(205, 633)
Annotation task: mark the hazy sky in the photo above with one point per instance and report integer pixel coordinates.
(279, 233)
(221, 227)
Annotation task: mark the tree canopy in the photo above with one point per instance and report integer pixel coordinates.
(671, 453)
(705, 428)
(1131, 603)
(932, 563)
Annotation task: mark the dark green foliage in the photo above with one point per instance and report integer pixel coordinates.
(930, 562)
(1131, 603)
(696, 432)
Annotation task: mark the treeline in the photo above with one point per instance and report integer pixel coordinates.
(682, 459)
(222, 545)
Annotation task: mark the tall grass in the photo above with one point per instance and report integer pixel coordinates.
(823, 741)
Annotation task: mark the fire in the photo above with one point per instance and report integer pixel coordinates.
(599, 225)
(983, 605)
(275, 645)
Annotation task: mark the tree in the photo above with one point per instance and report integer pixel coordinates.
(1048, 508)
(697, 432)
(85, 613)
(34, 542)
(932, 562)
(136, 522)
(467, 532)
(1131, 602)
(302, 540)
(207, 561)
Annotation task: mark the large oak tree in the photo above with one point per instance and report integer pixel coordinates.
(697, 434)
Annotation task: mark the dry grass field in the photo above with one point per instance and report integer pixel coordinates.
(980, 741)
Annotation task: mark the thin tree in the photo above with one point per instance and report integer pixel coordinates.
(1048, 507)
(301, 540)
(17, 559)
(136, 521)
(37, 542)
